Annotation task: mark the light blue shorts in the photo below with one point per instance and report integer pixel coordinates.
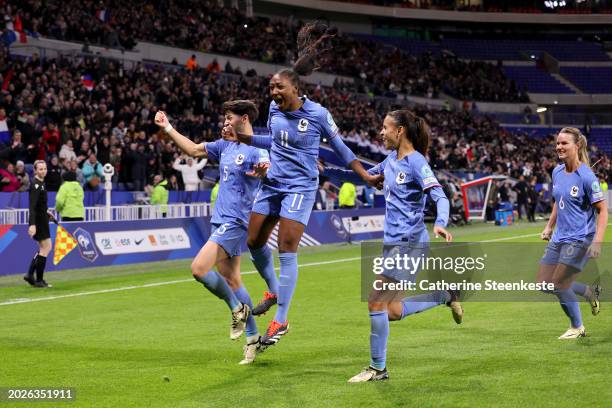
(295, 206)
(230, 236)
(574, 254)
(406, 270)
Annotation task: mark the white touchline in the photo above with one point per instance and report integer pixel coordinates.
(151, 285)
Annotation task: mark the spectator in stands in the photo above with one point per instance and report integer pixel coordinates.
(192, 63)
(5, 134)
(8, 179)
(53, 180)
(51, 138)
(522, 197)
(92, 172)
(173, 184)
(532, 199)
(74, 167)
(189, 171)
(22, 176)
(214, 67)
(347, 195)
(69, 199)
(159, 196)
(19, 152)
(103, 150)
(67, 151)
(138, 166)
(120, 130)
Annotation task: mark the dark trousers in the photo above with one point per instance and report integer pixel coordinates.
(531, 213)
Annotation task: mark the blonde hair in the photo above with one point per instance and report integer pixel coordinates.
(37, 162)
(581, 140)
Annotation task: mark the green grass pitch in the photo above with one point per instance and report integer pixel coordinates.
(115, 346)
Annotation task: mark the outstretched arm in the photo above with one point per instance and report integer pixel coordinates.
(260, 141)
(351, 160)
(184, 143)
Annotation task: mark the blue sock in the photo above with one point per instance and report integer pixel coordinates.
(569, 304)
(219, 287)
(379, 332)
(262, 259)
(420, 303)
(580, 289)
(287, 281)
(243, 296)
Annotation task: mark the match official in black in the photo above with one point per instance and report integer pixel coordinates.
(39, 226)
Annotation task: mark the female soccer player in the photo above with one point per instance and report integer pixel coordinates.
(408, 182)
(238, 166)
(296, 126)
(579, 233)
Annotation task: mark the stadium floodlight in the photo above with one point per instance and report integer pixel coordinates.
(476, 196)
(541, 109)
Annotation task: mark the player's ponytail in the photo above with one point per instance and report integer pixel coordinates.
(583, 151)
(311, 44)
(417, 130)
(581, 141)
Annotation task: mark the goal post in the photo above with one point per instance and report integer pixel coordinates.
(476, 195)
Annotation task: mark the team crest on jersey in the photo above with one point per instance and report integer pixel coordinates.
(574, 191)
(401, 177)
(240, 159)
(303, 125)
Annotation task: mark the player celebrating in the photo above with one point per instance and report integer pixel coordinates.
(296, 126)
(578, 236)
(240, 167)
(408, 180)
(39, 226)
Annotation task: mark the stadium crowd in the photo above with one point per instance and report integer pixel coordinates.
(207, 27)
(53, 114)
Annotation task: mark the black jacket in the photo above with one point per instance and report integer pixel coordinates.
(38, 203)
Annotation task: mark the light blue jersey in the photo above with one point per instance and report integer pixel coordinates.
(296, 137)
(236, 189)
(574, 194)
(405, 183)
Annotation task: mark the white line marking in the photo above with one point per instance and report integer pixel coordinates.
(150, 285)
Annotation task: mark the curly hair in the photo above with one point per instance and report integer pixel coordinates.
(312, 42)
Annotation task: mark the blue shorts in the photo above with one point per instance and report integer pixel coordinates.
(230, 236)
(574, 254)
(406, 270)
(295, 206)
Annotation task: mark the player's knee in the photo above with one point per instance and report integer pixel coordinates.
(253, 243)
(376, 306)
(198, 270)
(394, 315)
(287, 245)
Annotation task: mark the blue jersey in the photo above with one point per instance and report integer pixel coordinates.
(236, 190)
(574, 194)
(405, 183)
(296, 137)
